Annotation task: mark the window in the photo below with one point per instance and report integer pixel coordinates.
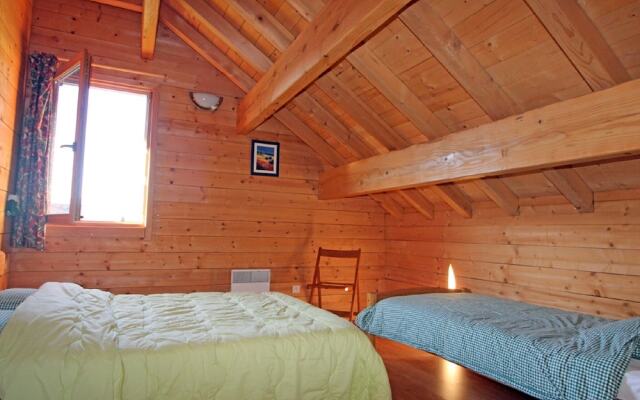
(99, 160)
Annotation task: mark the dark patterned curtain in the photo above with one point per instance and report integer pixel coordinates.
(33, 153)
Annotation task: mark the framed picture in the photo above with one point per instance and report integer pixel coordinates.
(265, 158)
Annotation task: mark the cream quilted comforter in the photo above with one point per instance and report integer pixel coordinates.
(66, 342)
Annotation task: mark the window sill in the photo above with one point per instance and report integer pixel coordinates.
(96, 229)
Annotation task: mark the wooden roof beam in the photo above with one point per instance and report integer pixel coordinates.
(455, 198)
(150, 12)
(387, 202)
(572, 187)
(500, 193)
(419, 202)
(124, 4)
(581, 41)
(336, 30)
(596, 126)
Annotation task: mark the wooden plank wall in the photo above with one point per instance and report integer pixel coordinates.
(15, 23)
(550, 254)
(210, 215)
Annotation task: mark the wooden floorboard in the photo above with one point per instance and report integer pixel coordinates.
(416, 374)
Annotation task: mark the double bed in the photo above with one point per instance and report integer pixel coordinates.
(544, 352)
(66, 342)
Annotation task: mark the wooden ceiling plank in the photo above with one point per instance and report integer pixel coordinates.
(388, 203)
(361, 113)
(310, 137)
(307, 9)
(455, 198)
(150, 14)
(593, 127)
(206, 20)
(448, 49)
(500, 194)
(335, 31)
(264, 22)
(572, 187)
(124, 4)
(419, 202)
(205, 48)
(397, 92)
(581, 41)
(311, 106)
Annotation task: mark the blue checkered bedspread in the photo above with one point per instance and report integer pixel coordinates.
(545, 352)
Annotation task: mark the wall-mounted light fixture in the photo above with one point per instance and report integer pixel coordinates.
(206, 101)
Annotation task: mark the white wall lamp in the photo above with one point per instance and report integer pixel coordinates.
(206, 101)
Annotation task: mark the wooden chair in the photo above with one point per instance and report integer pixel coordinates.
(319, 284)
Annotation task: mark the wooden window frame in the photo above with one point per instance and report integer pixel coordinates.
(73, 218)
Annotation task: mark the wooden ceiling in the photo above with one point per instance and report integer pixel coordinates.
(438, 67)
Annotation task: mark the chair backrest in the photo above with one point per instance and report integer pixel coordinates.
(322, 252)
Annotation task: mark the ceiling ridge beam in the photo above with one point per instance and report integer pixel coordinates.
(581, 41)
(595, 126)
(330, 36)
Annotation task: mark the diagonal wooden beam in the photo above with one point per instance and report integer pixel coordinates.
(581, 41)
(419, 202)
(455, 198)
(395, 90)
(387, 202)
(264, 22)
(596, 126)
(212, 25)
(150, 11)
(500, 193)
(221, 62)
(124, 4)
(339, 27)
(449, 50)
(572, 187)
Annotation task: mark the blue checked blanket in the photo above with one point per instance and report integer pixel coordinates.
(545, 352)
(10, 299)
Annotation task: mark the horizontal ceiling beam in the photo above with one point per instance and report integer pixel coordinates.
(339, 27)
(596, 126)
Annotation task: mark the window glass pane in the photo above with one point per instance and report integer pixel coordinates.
(115, 157)
(61, 161)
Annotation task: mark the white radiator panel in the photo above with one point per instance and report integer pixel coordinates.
(250, 280)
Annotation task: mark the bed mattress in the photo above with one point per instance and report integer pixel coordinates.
(66, 342)
(548, 353)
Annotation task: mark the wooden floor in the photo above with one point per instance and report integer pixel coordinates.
(416, 374)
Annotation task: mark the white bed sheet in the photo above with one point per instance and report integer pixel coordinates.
(630, 388)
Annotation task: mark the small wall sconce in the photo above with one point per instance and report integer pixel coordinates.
(206, 101)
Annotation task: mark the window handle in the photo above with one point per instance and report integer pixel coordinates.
(69, 146)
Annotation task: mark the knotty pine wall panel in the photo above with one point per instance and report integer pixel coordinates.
(15, 23)
(549, 255)
(209, 214)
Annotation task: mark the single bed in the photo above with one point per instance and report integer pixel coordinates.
(66, 342)
(545, 352)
